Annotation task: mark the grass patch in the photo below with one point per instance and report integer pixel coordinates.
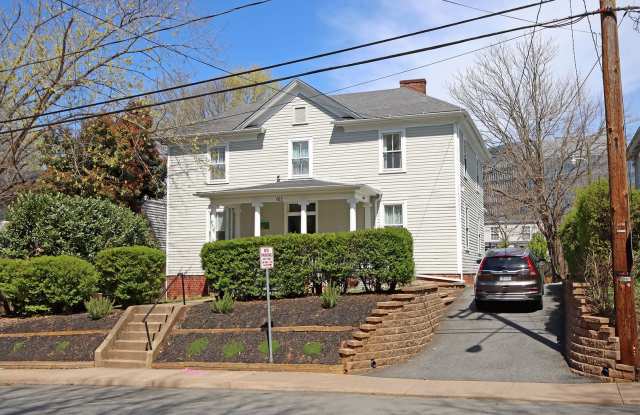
(312, 348)
(17, 346)
(232, 349)
(196, 347)
(264, 347)
(62, 345)
(223, 305)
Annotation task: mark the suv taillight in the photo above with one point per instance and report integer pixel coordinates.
(481, 267)
(532, 269)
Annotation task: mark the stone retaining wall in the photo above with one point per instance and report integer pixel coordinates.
(591, 346)
(397, 329)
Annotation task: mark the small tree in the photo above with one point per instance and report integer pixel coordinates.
(111, 157)
(538, 245)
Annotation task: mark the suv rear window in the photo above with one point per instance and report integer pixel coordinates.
(505, 263)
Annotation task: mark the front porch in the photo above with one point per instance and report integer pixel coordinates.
(293, 206)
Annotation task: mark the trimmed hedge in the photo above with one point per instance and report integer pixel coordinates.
(57, 224)
(131, 275)
(378, 257)
(46, 284)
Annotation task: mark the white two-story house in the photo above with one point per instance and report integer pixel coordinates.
(306, 162)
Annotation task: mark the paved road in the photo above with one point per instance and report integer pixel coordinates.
(119, 400)
(505, 342)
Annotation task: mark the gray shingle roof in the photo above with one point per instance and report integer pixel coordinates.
(370, 104)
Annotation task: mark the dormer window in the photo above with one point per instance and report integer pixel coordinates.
(300, 158)
(218, 169)
(300, 115)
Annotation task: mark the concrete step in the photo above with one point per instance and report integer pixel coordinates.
(152, 318)
(131, 344)
(123, 363)
(139, 326)
(160, 308)
(117, 354)
(134, 335)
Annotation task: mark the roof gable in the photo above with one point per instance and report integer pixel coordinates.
(300, 89)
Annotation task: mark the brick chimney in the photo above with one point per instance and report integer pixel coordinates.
(418, 85)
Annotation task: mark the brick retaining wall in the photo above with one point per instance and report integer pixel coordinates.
(194, 286)
(591, 346)
(397, 329)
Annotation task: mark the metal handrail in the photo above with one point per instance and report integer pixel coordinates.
(184, 302)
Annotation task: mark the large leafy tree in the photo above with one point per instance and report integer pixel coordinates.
(113, 157)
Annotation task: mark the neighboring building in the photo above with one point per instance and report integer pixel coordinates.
(306, 162)
(155, 210)
(633, 160)
(511, 221)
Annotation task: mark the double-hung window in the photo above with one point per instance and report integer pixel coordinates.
(218, 164)
(525, 233)
(392, 151)
(300, 164)
(395, 215)
(495, 233)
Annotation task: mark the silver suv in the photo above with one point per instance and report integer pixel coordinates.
(508, 274)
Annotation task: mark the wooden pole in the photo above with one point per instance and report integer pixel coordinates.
(626, 328)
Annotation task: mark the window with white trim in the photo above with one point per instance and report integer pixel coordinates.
(525, 233)
(300, 115)
(495, 234)
(392, 151)
(300, 163)
(218, 163)
(394, 215)
(294, 218)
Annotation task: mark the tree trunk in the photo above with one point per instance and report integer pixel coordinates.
(556, 255)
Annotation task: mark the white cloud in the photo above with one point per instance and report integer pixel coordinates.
(377, 19)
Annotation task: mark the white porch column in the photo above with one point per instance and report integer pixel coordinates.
(352, 214)
(367, 216)
(209, 222)
(236, 225)
(256, 218)
(303, 216)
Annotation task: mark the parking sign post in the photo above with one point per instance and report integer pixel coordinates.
(266, 263)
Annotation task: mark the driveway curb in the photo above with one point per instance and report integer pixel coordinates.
(592, 393)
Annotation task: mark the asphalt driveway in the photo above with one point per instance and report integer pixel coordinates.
(505, 342)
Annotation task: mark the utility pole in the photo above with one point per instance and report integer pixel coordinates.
(626, 328)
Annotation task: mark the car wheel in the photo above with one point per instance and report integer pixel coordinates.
(538, 305)
(480, 304)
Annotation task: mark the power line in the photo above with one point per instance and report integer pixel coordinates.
(150, 32)
(286, 63)
(593, 35)
(504, 15)
(559, 22)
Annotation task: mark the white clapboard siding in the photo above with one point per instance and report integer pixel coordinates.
(427, 187)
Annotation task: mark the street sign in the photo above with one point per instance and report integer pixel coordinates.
(266, 263)
(266, 257)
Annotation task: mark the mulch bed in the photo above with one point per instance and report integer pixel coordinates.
(49, 348)
(351, 310)
(291, 348)
(80, 321)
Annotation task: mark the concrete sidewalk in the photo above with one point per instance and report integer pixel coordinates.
(593, 393)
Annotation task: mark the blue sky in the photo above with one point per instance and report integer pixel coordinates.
(283, 29)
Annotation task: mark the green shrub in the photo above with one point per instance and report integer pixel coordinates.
(197, 346)
(131, 275)
(329, 297)
(538, 245)
(232, 349)
(312, 349)
(98, 307)
(263, 347)
(379, 257)
(46, 284)
(587, 225)
(17, 346)
(223, 305)
(59, 283)
(14, 285)
(57, 224)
